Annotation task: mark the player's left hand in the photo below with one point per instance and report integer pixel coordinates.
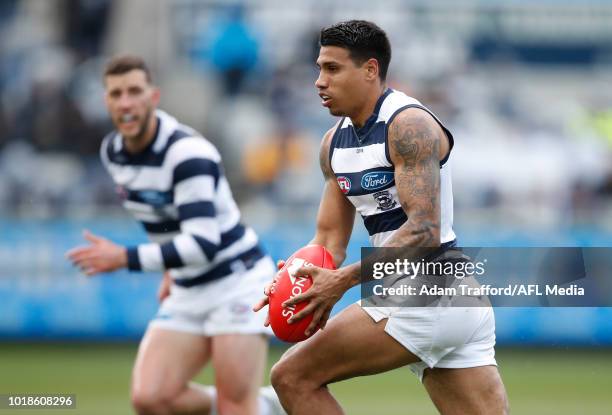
(164, 287)
(101, 255)
(327, 288)
(268, 289)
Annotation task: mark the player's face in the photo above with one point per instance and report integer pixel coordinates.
(341, 83)
(130, 100)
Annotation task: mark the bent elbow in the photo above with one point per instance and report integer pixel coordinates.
(426, 235)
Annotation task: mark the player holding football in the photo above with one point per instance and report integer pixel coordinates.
(171, 179)
(383, 131)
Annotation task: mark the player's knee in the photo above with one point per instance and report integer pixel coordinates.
(234, 396)
(245, 406)
(501, 405)
(150, 402)
(503, 402)
(287, 381)
(280, 378)
(498, 400)
(145, 404)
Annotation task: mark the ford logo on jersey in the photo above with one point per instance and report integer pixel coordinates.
(376, 180)
(155, 198)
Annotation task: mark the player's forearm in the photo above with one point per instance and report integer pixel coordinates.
(145, 257)
(334, 236)
(424, 232)
(183, 250)
(351, 274)
(426, 235)
(335, 247)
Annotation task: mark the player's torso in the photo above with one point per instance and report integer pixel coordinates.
(149, 198)
(362, 165)
(146, 182)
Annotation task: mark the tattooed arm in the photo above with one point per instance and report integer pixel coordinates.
(416, 145)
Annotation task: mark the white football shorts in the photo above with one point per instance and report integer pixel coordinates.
(442, 337)
(218, 307)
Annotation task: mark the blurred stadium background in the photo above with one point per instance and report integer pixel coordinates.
(526, 87)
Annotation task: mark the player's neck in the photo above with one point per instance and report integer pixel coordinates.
(134, 145)
(367, 108)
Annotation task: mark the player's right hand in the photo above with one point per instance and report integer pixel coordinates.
(267, 290)
(164, 287)
(100, 255)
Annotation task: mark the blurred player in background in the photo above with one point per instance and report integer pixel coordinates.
(171, 179)
(383, 131)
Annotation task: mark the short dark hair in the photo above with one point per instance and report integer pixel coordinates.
(122, 64)
(363, 39)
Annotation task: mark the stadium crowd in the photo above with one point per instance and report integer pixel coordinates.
(533, 130)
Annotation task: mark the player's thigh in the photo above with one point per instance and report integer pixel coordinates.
(239, 361)
(352, 344)
(167, 360)
(475, 390)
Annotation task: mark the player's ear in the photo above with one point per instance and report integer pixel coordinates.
(371, 69)
(105, 99)
(105, 96)
(155, 95)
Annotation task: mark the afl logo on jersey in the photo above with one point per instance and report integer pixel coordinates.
(344, 183)
(122, 192)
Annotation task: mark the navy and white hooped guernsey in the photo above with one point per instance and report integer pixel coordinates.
(177, 189)
(364, 171)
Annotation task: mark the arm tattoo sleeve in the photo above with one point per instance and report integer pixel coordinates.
(414, 141)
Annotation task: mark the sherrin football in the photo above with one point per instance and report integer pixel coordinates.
(288, 286)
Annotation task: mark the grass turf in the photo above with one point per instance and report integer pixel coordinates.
(539, 381)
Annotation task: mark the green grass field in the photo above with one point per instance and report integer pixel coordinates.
(540, 381)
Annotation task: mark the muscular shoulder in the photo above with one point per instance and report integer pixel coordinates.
(105, 147)
(191, 147)
(414, 134)
(324, 152)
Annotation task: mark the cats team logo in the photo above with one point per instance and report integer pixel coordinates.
(344, 183)
(385, 200)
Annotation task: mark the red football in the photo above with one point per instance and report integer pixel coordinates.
(289, 286)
